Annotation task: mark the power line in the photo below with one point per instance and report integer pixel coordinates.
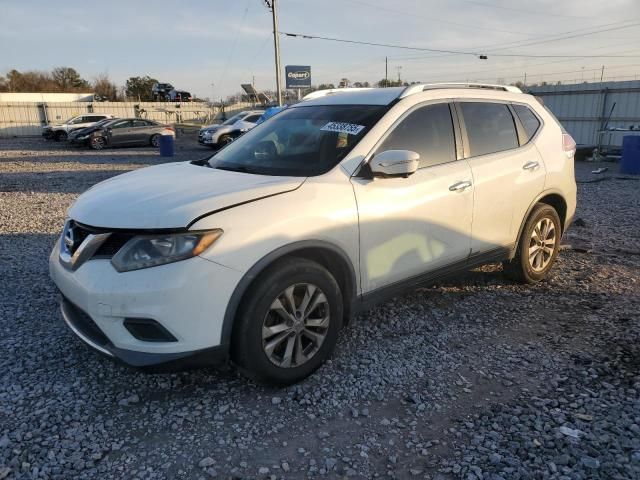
(454, 52)
(434, 19)
(582, 32)
(531, 12)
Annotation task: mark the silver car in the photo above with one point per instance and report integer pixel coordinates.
(125, 132)
(217, 136)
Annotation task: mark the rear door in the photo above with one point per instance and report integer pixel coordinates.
(141, 131)
(508, 172)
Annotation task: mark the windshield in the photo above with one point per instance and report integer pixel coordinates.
(234, 119)
(301, 141)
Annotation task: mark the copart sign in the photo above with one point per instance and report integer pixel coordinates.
(298, 76)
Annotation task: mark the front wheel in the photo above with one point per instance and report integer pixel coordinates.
(98, 143)
(538, 246)
(61, 136)
(288, 323)
(225, 140)
(155, 140)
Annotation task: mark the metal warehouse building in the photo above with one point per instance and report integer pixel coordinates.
(585, 109)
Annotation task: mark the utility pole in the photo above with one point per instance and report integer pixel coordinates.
(525, 80)
(399, 68)
(271, 5)
(602, 74)
(386, 71)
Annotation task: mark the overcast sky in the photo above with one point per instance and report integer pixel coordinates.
(194, 43)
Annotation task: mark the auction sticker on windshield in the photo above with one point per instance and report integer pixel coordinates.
(341, 127)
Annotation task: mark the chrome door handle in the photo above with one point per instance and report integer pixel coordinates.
(530, 165)
(460, 186)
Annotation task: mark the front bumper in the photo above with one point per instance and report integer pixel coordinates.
(206, 140)
(187, 298)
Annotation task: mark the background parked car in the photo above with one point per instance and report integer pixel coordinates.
(75, 136)
(124, 132)
(179, 96)
(61, 131)
(160, 91)
(216, 136)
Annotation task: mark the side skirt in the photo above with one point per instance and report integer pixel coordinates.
(382, 294)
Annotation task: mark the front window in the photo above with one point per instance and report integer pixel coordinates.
(300, 141)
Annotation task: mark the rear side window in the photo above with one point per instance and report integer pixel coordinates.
(427, 131)
(490, 127)
(529, 121)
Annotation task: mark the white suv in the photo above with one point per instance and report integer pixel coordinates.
(262, 253)
(219, 135)
(60, 131)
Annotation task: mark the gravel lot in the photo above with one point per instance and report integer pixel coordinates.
(474, 378)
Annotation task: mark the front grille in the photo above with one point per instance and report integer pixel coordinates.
(84, 323)
(112, 245)
(108, 249)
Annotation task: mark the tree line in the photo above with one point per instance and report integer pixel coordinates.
(68, 80)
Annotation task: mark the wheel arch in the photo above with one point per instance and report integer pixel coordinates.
(327, 254)
(555, 199)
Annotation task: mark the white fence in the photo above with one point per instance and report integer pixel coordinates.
(22, 119)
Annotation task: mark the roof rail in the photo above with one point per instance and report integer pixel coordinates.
(421, 87)
(331, 91)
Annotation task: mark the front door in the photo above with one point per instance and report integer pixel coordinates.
(410, 226)
(120, 132)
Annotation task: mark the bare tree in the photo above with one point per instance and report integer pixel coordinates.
(104, 88)
(68, 79)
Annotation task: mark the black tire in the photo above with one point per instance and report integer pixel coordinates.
(248, 346)
(97, 143)
(225, 140)
(61, 136)
(522, 268)
(154, 141)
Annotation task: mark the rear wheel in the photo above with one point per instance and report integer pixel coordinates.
(288, 323)
(155, 140)
(538, 246)
(98, 143)
(61, 136)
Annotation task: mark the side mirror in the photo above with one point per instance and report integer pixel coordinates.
(394, 163)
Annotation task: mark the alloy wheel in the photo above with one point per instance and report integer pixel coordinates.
(542, 244)
(97, 143)
(296, 325)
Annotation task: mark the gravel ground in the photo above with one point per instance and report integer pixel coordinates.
(474, 378)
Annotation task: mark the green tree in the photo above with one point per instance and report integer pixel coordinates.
(139, 88)
(388, 83)
(68, 79)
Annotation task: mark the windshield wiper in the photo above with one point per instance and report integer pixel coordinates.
(239, 168)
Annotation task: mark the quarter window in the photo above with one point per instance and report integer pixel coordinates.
(529, 121)
(490, 127)
(427, 131)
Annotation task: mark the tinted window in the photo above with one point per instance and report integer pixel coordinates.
(122, 124)
(140, 123)
(427, 131)
(529, 121)
(490, 127)
(300, 141)
(252, 118)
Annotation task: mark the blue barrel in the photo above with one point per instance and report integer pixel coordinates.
(166, 145)
(630, 161)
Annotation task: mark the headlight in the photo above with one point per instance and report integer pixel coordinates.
(151, 250)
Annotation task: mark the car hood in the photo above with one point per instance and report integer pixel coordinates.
(171, 196)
